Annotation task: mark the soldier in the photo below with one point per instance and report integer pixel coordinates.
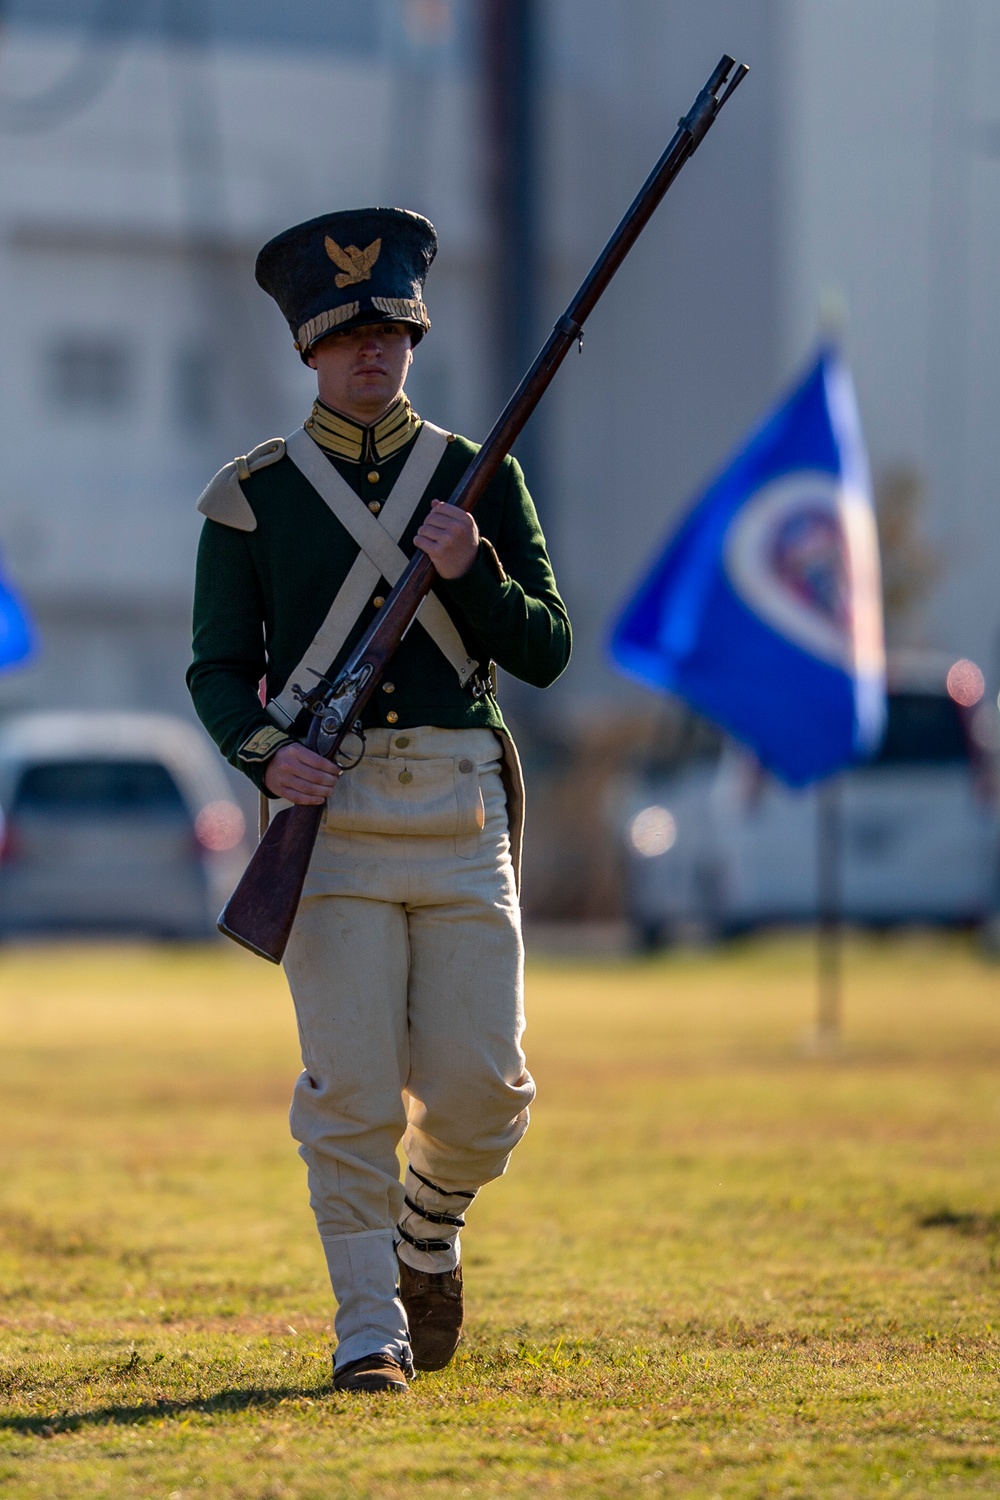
(405, 961)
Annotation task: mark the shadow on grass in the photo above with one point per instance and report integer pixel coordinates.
(961, 1222)
(122, 1416)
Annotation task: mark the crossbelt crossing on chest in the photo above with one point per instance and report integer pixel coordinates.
(380, 556)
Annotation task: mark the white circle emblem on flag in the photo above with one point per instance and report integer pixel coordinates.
(803, 555)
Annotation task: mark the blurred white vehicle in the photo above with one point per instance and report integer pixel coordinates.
(723, 847)
(113, 822)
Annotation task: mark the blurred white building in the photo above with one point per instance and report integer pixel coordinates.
(149, 147)
(145, 158)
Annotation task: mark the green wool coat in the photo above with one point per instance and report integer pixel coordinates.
(261, 596)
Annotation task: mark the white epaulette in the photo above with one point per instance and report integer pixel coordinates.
(222, 499)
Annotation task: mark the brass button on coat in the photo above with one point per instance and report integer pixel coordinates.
(406, 777)
(465, 766)
(388, 687)
(374, 506)
(373, 476)
(402, 742)
(392, 716)
(378, 601)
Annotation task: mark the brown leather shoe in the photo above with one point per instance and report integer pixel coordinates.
(373, 1372)
(435, 1308)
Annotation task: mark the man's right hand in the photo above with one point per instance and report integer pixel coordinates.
(300, 776)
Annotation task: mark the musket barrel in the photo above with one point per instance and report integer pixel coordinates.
(504, 432)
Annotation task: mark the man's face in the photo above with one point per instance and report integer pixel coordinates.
(362, 370)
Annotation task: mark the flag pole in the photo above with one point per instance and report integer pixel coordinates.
(829, 915)
(829, 811)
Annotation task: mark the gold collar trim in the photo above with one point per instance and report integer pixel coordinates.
(344, 438)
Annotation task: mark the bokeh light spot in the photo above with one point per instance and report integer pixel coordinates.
(965, 683)
(219, 826)
(652, 831)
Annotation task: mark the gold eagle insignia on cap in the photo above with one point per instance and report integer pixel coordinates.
(355, 265)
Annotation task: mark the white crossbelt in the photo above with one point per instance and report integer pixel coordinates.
(380, 557)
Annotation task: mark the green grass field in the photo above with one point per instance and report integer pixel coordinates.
(717, 1267)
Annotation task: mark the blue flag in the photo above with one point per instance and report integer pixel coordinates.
(764, 609)
(16, 641)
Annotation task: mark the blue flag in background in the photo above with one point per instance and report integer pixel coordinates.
(16, 641)
(764, 609)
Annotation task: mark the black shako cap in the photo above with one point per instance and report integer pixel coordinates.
(365, 265)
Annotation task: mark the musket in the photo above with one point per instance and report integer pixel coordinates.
(260, 912)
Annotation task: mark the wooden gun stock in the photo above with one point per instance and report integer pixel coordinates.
(260, 912)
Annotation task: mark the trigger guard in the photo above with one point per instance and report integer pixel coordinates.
(348, 764)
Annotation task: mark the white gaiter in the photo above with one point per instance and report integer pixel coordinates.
(428, 1230)
(370, 1317)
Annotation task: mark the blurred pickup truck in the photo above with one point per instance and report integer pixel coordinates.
(117, 823)
(720, 847)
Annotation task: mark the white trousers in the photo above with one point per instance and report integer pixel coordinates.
(405, 964)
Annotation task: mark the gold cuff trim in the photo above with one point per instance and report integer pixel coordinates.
(262, 744)
(411, 309)
(323, 322)
(493, 560)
